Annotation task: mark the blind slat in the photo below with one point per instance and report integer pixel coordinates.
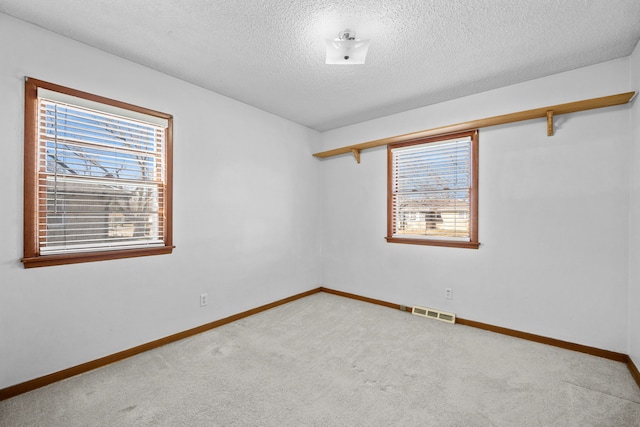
(101, 182)
(430, 192)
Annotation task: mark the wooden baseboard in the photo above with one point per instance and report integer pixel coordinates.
(594, 351)
(26, 386)
(30, 385)
(607, 354)
(366, 299)
(634, 370)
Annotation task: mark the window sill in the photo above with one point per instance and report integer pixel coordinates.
(430, 242)
(50, 260)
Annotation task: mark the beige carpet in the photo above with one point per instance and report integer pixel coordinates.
(329, 361)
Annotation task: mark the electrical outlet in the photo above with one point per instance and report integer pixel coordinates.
(448, 293)
(203, 300)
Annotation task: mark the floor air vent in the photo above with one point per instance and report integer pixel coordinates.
(434, 314)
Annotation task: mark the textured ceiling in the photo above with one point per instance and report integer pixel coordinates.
(270, 53)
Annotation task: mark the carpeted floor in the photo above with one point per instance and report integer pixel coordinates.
(325, 360)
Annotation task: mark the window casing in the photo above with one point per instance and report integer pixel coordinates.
(432, 191)
(98, 177)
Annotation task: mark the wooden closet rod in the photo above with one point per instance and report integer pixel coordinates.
(544, 112)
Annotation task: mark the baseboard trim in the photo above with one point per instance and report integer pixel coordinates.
(365, 299)
(594, 351)
(36, 383)
(634, 370)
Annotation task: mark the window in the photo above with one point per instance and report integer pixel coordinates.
(433, 191)
(97, 181)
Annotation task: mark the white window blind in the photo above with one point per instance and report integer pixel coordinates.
(101, 180)
(431, 190)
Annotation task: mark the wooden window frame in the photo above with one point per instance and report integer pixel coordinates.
(473, 242)
(32, 256)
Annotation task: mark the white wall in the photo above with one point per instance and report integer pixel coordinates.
(250, 227)
(552, 215)
(246, 216)
(634, 217)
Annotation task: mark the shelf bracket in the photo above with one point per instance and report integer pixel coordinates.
(356, 154)
(550, 123)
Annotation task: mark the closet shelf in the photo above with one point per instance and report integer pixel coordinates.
(544, 112)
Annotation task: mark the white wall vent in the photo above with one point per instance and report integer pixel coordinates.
(434, 314)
